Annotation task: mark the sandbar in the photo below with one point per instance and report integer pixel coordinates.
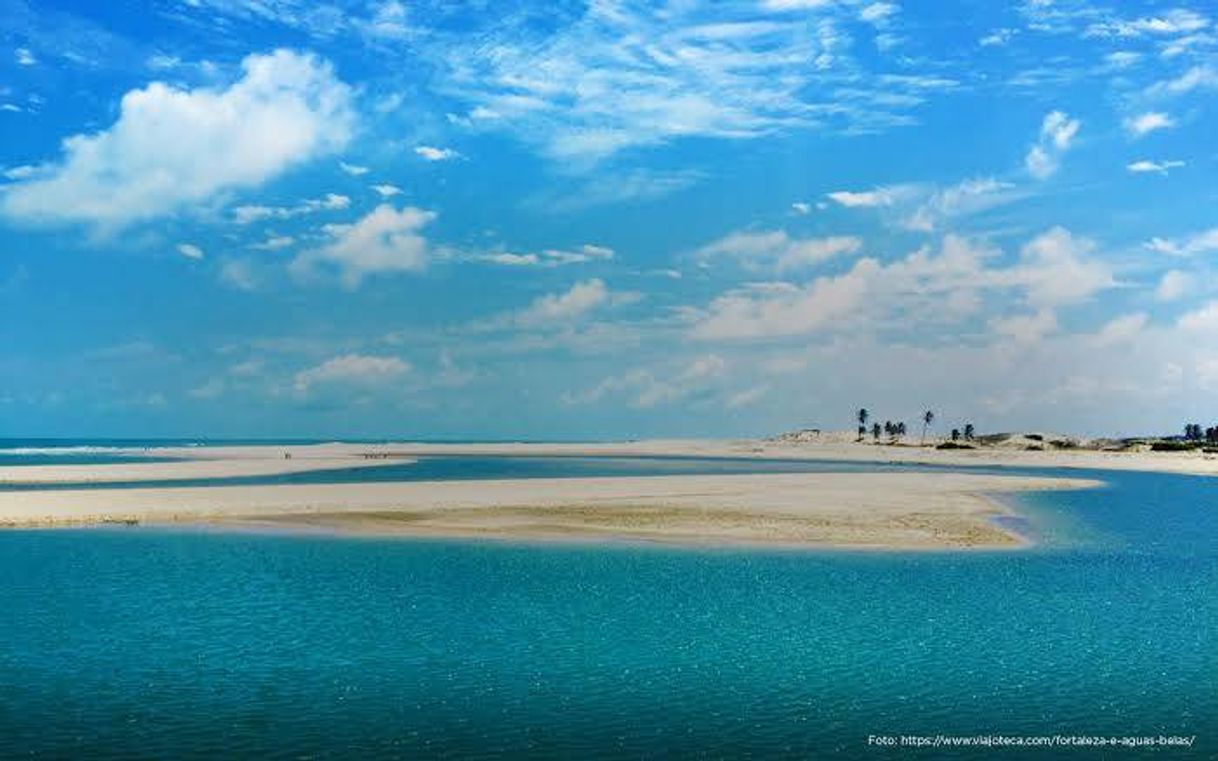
(851, 510)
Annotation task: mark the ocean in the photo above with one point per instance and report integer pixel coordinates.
(146, 642)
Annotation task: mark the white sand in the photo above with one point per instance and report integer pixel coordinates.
(221, 462)
(874, 510)
(202, 462)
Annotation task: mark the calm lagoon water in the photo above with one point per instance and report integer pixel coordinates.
(157, 643)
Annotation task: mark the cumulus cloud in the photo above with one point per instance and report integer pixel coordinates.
(383, 241)
(385, 190)
(775, 249)
(1121, 329)
(355, 170)
(562, 308)
(1057, 133)
(1057, 267)
(1025, 328)
(1203, 320)
(172, 148)
(1173, 285)
(1054, 269)
(351, 369)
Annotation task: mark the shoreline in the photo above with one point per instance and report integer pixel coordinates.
(880, 511)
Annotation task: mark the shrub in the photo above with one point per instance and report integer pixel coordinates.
(954, 445)
(1171, 446)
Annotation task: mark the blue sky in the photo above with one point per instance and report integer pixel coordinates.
(608, 219)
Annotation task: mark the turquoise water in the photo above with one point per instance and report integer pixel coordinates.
(156, 643)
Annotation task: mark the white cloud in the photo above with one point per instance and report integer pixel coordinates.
(1122, 59)
(550, 257)
(795, 5)
(354, 170)
(190, 251)
(383, 241)
(998, 38)
(1144, 124)
(1054, 269)
(647, 388)
(777, 250)
(747, 397)
(389, 21)
(1121, 329)
(966, 197)
(1173, 22)
(1027, 328)
(24, 57)
(883, 196)
(1199, 243)
(1057, 133)
(274, 243)
(431, 153)
(1196, 78)
(1173, 285)
(924, 207)
(1145, 166)
(878, 13)
(351, 369)
(385, 190)
(248, 214)
(1203, 320)
(615, 76)
(238, 274)
(562, 308)
(801, 208)
(762, 310)
(173, 148)
(23, 172)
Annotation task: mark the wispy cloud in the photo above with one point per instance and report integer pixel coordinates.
(1145, 166)
(1144, 124)
(1057, 133)
(250, 213)
(624, 74)
(432, 153)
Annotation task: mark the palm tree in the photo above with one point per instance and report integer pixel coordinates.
(900, 429)
(863, 414)
(875, 431)
(928, 417)
(969, 431)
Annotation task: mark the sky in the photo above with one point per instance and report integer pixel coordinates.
(608, 219)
